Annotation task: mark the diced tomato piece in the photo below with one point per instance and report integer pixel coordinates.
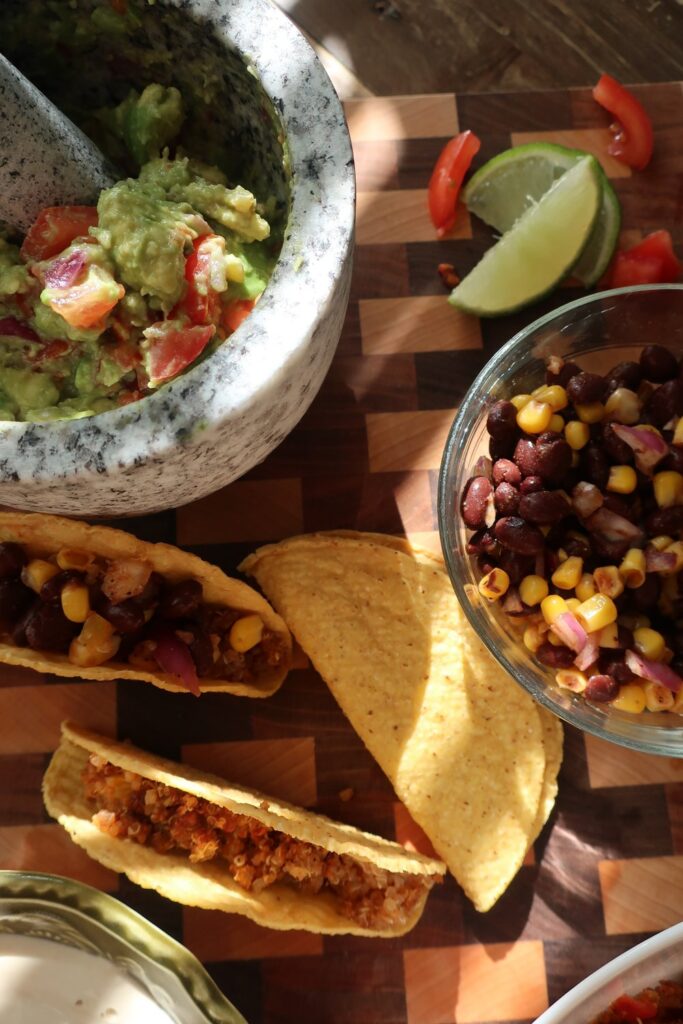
(173, 348)
(236, 312)
(53, 350)
(120, 6)
(201, 303)
(55, 228)
(9, 326)
(627, 271)
(627, 1008)
(86, 304)
(633, 136)
(652, 261)
(447, 177)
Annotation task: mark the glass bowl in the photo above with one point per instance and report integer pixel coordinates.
(598, 331)
(60, 910)
(657, 959)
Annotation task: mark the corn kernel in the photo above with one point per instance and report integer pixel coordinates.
(519, 401)
(668, 488)
(562, 555)
(573, 603)
(95, 644)
(677, 706)
(71, 558)
(533, 589)
(534, 417)
(623, 405)
(75, 601)
(38, 572)
(553, 606)
(533, 638)
(609, 636)
(577, 434)
(234, 268)
(247, 632)
(632, 568)
(591, 412)
(571, 679)
(658, 697)
(556, 423)
(585, 588)
(608, 581)
(631, 698)
(568, 573)
(622, 480)
(660, 543)
(596, 612)
(678, 432)
(554, 639)
(554, 394)
(649, 643)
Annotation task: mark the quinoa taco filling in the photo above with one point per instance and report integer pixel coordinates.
(100, 611)
(129, 806)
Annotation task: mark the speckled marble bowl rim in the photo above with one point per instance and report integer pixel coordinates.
(131, 428)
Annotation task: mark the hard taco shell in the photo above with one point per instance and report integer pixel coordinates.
(208, 885)
(44, 535)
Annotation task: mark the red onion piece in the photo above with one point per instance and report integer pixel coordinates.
(586, 499)
(656, 671)
(613, 527)
(65, 270)
(173, 656)
(483, 467)
(649, 448)
(589, 653)
(570, 632)
(17, 329)
(659, 561)
(512, 604)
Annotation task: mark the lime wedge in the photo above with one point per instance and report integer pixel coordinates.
(540, 248)
(509, 184)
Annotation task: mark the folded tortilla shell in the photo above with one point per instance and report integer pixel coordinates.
(460, 741)
(208, 884)
(44, 535)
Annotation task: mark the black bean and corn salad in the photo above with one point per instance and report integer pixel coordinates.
(578, 527)
(120, 612)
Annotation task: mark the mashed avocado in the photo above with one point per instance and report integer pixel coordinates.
(99, 306)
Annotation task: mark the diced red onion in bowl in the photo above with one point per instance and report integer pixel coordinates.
(656, 671)
(570, 631)
(173, 656)
(649, 448)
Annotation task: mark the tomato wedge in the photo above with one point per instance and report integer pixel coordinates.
(171, 348)
(652, 261)
(201, 303)
(633, 140)
(55, 228)
(447, 177)
(627, 1008)
(236, 312)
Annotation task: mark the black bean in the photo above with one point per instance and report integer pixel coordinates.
(595, 465)
(553, 460)
(619, 452)
(585, 388)
(15, 599)
(501, 447)
(515, 565)
(623, 375)
(624, 638)
(182, 599)
(505, 471)
(47, 627)
(547, 437)
(612, 550)
(475, 502)
(530, 484)
(153, 591)
(601, 688)
(615, 666)
(544, 507)
(51, 590)
(645, 597)
(615, 503)
(665, 521)
(564, 375)
(506, 499)
(658, 363)
(577, 546)
(501, 421)
(664, 403)
(514, 533)
(485, 563)
(126, 616)
(555, 656)
(12, 559)
(201, 648)
(674, 460)
(525, 457)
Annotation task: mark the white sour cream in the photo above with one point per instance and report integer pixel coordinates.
(43, 982)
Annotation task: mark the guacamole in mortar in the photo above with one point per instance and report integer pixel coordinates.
(101, 305)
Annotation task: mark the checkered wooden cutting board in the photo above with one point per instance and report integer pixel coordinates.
(608, 868)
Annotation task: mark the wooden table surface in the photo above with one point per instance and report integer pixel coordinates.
(608, 868)
(389, 47)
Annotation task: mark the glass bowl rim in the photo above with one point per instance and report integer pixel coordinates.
(130, 927)
(458, 435)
